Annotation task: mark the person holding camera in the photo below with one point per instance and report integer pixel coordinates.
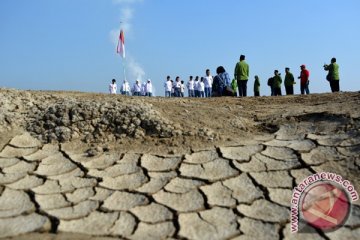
(333, 75)
(304, 80)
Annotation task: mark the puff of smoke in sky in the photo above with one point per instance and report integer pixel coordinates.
(133, 68)
(135, 71)
(126, 1)
(126, 15)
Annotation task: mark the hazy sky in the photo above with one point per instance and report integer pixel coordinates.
(70, 44)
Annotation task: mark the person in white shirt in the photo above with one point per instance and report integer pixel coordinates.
(143, 89)
(136, 88)
(177, 86)
(208, 81)
(148, 88)
(113, 87)
(168, 87)
(202, 88)
(196, 87)
(125, 88)
(182, 89)
(172, 88)
(190, 87)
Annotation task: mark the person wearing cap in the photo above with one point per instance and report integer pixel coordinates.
(277, 83)
(333, 75)
(136, 88)
(257, 86)
(168, 86)
(241, 74)
(289, 82)
(125, 88)
(304, 80)
(113, 87)
(148, 88)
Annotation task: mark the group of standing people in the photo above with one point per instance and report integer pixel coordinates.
(198, 87)
(275, 82)
(241, 74)
(222, 85)
(138, 89)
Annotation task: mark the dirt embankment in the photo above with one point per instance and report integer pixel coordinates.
(183, 123)
(86, 166)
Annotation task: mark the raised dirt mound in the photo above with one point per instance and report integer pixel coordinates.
(96, 166)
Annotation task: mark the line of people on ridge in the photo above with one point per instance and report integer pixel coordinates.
(198, 87)
(221, 85)
(138, 89)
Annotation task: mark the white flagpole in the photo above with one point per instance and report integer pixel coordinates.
(124, 69)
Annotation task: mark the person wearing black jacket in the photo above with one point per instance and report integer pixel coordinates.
(270, 83)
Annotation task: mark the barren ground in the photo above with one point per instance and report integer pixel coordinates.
(94, 166)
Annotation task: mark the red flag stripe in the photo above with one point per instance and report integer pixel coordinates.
(120, 49)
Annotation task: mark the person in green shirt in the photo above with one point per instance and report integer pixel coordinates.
(333, 75)
(257, 86)
(277, 83)
(234, 86)
(241, 74)
(289, 82)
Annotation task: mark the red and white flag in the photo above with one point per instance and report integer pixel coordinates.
(120, 49)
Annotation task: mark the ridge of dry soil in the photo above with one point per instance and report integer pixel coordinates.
(95, 166)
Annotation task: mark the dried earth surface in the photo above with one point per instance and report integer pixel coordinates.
(94, 166)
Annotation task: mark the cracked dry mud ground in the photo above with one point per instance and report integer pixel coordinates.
(233, 180)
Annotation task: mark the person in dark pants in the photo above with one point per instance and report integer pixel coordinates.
(177, 87)
(277, 83)
(196, 87)
(241, 74)
(304, 80)
(289, 82)
(333, 75)
(221, 82)
(257, 86)
(270, 83)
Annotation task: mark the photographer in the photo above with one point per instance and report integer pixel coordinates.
(333, 75)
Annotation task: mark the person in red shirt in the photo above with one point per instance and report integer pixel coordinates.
(304, 80)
